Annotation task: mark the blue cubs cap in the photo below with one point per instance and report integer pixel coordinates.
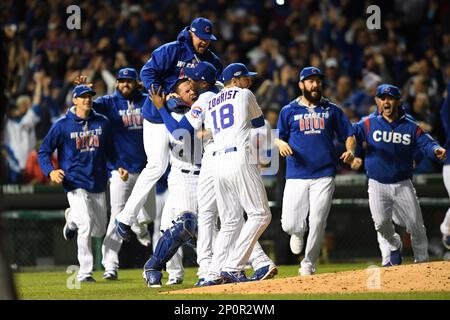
(202, 28)
(82, 89)
(388, 89)
(202, 71)
(127, 73)
(310, 71)
(236, 70)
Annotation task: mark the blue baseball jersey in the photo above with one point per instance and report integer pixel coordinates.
(127, 124)
(445, 118)
(310, 132)
(83, 146)
(391, 147)
(166, 66)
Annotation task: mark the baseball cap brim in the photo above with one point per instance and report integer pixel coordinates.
(127, 77)
(320, 75)
(205, 36)
(249, 74)
(90, 91)
(388, 94)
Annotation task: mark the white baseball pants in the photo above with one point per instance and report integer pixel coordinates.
(401, 198)
(445, 226)
(119, 193)
(238, 187)
(182, 196)
(300, 197)
(88, 215)
(156, 145)
(160, 201)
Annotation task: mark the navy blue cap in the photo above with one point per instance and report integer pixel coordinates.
(202, 28)
(310, 71)
(236, 70)
(127, 73)
(388, 89)
(82, 89)
(202, 71)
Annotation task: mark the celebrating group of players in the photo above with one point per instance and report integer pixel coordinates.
(199, 117)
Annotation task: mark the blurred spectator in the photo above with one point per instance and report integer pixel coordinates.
(33, 172)
(411, 50)
(20, 127)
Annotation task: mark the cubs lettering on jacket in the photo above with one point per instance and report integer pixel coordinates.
(394, 137)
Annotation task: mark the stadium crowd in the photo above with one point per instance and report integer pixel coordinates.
(411, 50)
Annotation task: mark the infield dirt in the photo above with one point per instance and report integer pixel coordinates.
(423, 277)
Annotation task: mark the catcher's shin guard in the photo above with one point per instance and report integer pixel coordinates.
(183, 230)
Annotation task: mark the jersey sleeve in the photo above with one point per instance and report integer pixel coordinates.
(253, 106)
(360, 129)
(342, 125)
(100, 106)
(426, 143)
(196, 115)
(283, 124)
(51, 141)
(445, 112)
(157, 66)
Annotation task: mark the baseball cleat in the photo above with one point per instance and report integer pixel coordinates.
(123, 231)
(174, 281)
(110, 275)
(87, 279)
(395, 259)
(152, 278)
(234, 276)
(305, 271)
(214, 282)
(296, 244)
(446, 241)
(68, 233)
(264, 273)
(200, 282)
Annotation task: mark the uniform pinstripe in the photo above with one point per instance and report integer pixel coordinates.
(237, 182)
(400, 197)
(88, 215)
(300, 197)
(119, 193)
(445, 226)
(157, 161)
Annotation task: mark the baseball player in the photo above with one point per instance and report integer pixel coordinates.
(445, 118)
(162, 70)
(391, 139)
(84, 141)
(237, 182)
(124, 110)
(307, 127)
(263, 266)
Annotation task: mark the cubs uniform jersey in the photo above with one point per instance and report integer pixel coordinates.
(391, 146)
(166, 66)
(126, 119)
(310, 133)
(84, 146)
(445, 119)
(229, 115)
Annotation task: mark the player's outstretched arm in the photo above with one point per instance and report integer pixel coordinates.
(349, 154)
(284, 147)
(440, 153)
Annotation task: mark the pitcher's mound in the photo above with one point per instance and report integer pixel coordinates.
(434, 276)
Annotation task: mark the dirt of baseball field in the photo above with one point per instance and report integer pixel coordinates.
(434, 276)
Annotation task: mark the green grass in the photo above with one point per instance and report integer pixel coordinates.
(53, 286)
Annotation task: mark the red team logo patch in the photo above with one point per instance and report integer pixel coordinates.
(196, 112)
